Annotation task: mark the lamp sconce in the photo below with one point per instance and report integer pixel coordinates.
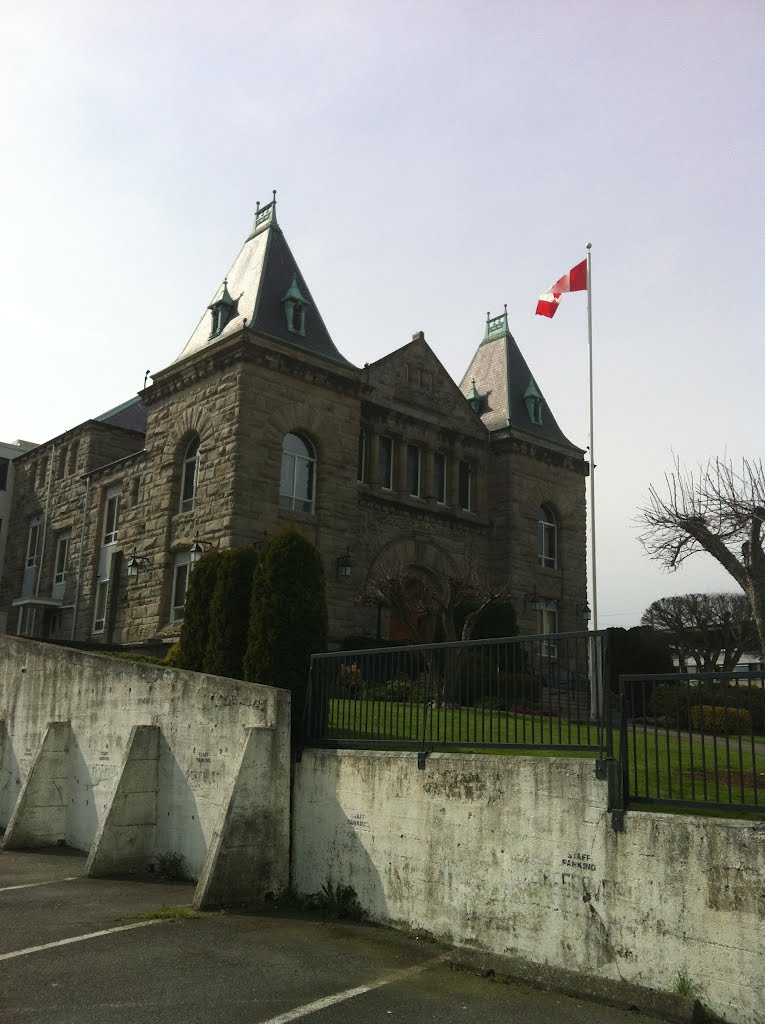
(137, 564)
(584, 611)
(532, 601)
(198, 548)
(344, 565)
(260, 542)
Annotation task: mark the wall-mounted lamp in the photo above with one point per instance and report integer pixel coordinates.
(136, 563)
(584, 610)
(532, 601)
(260, 542)
(344, 565)
(198, 548)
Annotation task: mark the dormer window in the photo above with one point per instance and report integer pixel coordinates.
(222, 310)
(295, 304)
(533, 402)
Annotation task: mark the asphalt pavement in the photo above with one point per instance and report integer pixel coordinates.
(111, 951)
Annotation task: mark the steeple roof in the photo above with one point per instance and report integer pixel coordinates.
(260, 278)
(502, 378)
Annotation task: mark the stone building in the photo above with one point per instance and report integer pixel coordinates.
(8, 452)
(260, 422)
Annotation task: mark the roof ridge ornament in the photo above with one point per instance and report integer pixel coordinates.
(265, 216)
(496, 326)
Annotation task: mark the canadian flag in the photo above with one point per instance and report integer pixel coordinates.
(574, 281)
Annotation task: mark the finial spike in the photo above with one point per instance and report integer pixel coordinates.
(257, 208)
(273, 192)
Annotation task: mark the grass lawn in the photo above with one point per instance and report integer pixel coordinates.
(663, 764)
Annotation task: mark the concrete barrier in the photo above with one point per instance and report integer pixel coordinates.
(130, 762)
(516, 857)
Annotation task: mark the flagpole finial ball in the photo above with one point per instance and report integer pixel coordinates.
(589, 245)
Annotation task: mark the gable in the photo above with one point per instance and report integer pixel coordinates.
(413, 379)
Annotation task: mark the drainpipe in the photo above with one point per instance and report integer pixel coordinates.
(85, 506)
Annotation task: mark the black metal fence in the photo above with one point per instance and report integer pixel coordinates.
(693, 740)
(532, 691)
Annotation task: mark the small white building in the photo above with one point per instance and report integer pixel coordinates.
(8, 453)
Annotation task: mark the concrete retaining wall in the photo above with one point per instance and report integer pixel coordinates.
(74, 769)
(516, 856)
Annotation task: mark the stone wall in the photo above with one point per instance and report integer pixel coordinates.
(516, 856)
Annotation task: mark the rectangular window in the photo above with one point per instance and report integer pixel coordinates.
(547, 624)
(61, 465)
(33, 543)
(4, 464)
(385, 462)
(62, 556)
(439, 477)
(42, 473)
(180, 584)
(466, 486)
(99, 617)
(413, 470)
(111, 515)
(362, 466)
(74, 450)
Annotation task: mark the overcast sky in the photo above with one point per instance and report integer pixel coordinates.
(433, 161)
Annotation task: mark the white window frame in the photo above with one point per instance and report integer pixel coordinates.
(181, 572)
(362, 457)
(417, 491)
(385, 466)
(34, 535)
(290, 499)
(100, 605)
(439, 456)
(464, 464)
(62, 557)
(111, 521)
(547, 538)
(547, 624)
(190, 475)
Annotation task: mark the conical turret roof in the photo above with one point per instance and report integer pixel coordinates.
(502, 377)
(261, 276)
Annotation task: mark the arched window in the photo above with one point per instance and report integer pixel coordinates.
(547, 538)
(190, 474)
(296, 489)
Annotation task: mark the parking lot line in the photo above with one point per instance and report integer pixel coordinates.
(31, 885)
(350, 993)
(77, 938)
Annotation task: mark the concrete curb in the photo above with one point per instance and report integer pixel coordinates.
(622, 994)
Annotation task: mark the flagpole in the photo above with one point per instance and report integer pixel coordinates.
(592, 446)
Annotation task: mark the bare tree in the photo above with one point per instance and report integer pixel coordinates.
(414, 596)
(705, 626)
(719, 509)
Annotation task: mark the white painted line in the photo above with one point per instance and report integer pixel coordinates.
(351, 993)
(31, 885)
(77, 938)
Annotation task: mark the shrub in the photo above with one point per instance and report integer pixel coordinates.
(669, 702)
(173, 656)
(637, 651)
(230, 613)
(720, 720)
(196, 611)
(288, 620)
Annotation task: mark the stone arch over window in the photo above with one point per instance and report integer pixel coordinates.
(297, 485)
(423, 565)
(190, 473)
(547, 536)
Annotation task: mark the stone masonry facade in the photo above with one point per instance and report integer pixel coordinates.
(404, 464)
